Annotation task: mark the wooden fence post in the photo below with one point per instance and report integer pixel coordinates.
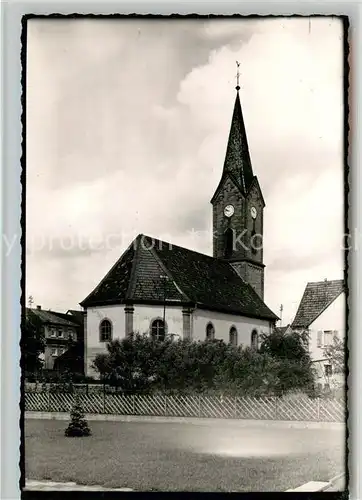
(133, 405)
(276, 408)
(235, 408)
(165, 405)
(318, 409)
(104, 399)
(199, 406)
(49, 408)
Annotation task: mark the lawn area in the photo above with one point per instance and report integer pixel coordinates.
(145, 456)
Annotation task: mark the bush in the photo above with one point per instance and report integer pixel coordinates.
(78, 426)
(138, 364)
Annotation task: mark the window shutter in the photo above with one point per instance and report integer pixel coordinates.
(319, 338)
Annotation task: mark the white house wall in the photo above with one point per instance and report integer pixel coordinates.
(144, 315)
(115, 314)
(333, 318)
(222, 324)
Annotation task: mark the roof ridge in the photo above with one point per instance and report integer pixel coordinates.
(182, 248)
(341, 280)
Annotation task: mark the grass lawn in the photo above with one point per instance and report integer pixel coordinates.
(149, 456)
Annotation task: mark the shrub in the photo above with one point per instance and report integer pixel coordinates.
(78, 426)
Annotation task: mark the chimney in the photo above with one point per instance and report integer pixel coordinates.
(38, 307)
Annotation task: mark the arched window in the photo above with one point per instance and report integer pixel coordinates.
(229, 242)
(254, 339)
(105, 331)
(210, 332)
(158, 330)
(233, 336)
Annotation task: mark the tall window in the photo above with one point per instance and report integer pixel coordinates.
(328, 337)
(328, 370)
(158, 330)
(105, 331)
(254, 339)
(233, 336)
(229, 240)
(210, 332)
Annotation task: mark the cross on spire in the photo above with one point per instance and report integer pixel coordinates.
(237, 76)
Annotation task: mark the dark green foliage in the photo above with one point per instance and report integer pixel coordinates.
(32, 343)
(335, 353)
(78, 425)
(294, 367)
(285, 346)
(138, 364)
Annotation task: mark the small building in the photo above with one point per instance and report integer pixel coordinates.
(58, 332)
(284, 330)
(73, 358)
(322, 314)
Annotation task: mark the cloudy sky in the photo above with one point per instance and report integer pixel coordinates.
(127, 126)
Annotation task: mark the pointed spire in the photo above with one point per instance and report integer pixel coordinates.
(237, 159)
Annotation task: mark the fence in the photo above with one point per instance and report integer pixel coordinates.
(266, 408)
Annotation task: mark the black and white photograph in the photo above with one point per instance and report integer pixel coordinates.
(184, 316)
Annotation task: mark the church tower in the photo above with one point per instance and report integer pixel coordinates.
(238, 206)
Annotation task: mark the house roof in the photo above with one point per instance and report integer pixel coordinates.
(316, 298)
(282, 329)
(51, 317)
(72, 315)
(192, 278)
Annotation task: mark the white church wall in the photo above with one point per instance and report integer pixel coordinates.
(115, 314)
(144, 315)
(223, 322)
(332, 319)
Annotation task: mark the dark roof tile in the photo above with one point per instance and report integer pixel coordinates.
(51, 317)
(316, 298)
(192, 277)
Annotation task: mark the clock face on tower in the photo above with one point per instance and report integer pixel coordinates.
(228, 211)
(253, 212)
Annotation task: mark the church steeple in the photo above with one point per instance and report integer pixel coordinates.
(237, 159)
(238, 207)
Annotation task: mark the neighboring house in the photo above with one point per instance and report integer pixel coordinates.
(161, 288)
(73, 358)
(285, 330)
(58, 332)
(322, 313)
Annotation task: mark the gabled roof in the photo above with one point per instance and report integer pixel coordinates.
(77, 316)
(51, 317)
(74, 318)
(282, 329)
(192, 278)
(316, 298)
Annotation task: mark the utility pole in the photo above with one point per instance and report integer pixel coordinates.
(30, 301)
(164, 279)
(281, 314)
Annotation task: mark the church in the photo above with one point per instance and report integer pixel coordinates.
(162, 289)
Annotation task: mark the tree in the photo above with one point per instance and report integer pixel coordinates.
(285, 345)
(32, 342)
(294, 367)
(335, 353)
(78, 426)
